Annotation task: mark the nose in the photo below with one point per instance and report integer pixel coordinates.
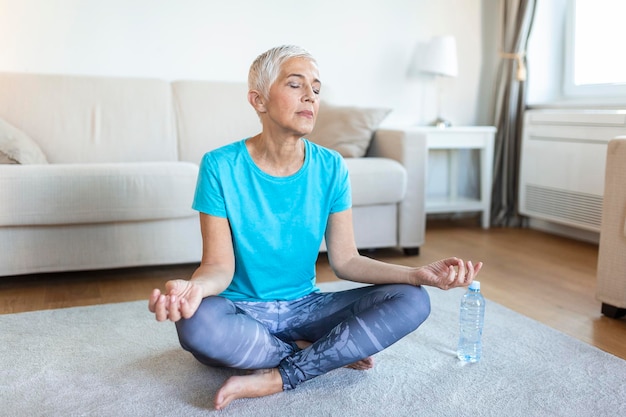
(310, 94)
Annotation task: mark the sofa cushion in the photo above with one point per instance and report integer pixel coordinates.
(16, 147)
(95, 193)
(348, 130)
(210, 114)
(85, 119)
(376, 181)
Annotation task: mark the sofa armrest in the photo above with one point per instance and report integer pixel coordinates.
(410, 150)
(611, 286)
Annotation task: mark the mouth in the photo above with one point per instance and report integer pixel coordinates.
(306, 113)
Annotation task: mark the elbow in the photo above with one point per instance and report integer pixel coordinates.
(341, 265)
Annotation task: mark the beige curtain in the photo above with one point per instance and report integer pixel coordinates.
(510, 101)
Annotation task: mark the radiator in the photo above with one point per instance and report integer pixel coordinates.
(562, 164)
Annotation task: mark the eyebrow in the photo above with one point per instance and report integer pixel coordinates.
(302, 76)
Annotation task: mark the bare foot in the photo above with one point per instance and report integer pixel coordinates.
(362, 365)
(257, 384)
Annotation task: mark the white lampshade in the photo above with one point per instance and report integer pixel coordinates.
(437, 57)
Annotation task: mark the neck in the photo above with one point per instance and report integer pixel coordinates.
(276, 157)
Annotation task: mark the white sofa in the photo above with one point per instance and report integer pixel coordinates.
(121, 160)
(611, 274)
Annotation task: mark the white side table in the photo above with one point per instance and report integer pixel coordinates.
(454, 139)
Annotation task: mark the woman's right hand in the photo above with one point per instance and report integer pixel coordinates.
(180, 300)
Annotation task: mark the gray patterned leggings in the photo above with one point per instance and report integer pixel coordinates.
(344, 327)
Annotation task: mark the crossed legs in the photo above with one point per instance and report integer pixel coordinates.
(288, 342)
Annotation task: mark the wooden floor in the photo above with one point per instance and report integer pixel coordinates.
(545, 277)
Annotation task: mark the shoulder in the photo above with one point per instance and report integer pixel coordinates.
(224, 154)
(321, 153)
(225, 150)
(327, 164)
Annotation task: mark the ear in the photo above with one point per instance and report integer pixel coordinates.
(257, 101)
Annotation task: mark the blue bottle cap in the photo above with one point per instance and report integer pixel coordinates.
(475, 285)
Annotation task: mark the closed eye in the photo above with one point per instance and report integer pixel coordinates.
(293, 84)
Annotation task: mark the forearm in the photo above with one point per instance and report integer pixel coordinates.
(366, 270)
(445, 273)
(213, 279)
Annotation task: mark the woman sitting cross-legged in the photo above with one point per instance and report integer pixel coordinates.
(266, 203)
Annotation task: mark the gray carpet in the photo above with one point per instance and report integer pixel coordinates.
(116, 360)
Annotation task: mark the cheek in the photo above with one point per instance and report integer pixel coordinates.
(285, 103)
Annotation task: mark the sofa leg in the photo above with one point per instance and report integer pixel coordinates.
(612, 311)
(411, 251)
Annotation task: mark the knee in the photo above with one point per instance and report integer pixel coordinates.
(197, 332)
(419, 301)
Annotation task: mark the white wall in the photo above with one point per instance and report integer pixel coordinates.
(363, 46)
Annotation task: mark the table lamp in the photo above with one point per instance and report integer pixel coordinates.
(438, 57)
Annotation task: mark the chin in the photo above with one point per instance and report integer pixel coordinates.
(307, 130)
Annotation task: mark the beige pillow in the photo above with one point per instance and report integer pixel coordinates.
(5, 160)
(17, 147)
(348, 130)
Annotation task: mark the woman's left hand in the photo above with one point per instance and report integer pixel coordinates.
(447, 273)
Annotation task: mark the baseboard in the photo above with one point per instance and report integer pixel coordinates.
(565, 231)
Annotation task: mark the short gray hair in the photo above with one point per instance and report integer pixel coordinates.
(266, 67)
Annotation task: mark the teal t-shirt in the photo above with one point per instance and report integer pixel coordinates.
(277, 223)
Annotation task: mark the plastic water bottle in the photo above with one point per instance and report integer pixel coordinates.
(472, 319)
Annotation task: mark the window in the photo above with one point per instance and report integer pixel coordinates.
(595, 64)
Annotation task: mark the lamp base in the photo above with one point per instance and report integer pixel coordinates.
(441, 123)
